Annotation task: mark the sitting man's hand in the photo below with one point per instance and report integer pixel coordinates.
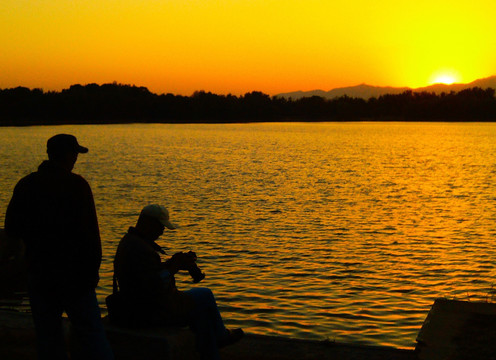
(180, 261)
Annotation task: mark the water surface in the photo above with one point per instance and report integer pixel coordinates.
(335, 231)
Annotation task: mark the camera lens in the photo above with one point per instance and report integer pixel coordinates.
(196, 274)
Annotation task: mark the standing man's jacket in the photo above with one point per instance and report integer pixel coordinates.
(60, 232)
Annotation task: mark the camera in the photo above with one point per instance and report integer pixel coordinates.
(194, 271)
(196, 274)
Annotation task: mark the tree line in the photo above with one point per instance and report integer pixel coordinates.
(117, 103)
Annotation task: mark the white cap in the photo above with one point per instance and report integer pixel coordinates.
(160, 213)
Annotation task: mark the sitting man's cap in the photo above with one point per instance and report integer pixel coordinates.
(64, 143)
(160, 213)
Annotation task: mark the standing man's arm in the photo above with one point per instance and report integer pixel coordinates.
(10, 242)
(90, 232)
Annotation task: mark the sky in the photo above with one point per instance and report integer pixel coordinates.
(239, 46)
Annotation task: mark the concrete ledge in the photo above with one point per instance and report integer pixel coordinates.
(261, 347)
(17, 342)
(17, 336)
(148, 343)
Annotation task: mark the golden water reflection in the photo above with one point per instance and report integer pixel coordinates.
(339, 231)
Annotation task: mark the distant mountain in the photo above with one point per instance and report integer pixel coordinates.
(367, 91)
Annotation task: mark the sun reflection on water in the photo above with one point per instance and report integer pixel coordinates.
(339, 231)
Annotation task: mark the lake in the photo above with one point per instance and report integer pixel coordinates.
(339, 231)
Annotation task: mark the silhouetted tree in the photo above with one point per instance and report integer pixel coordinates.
(111, 103)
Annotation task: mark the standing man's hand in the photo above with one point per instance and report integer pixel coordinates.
(10, 247)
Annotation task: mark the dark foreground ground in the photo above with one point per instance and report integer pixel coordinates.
(17, 343)
(274, 348)
(453, 330)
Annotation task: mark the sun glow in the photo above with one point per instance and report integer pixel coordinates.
(447, 77)
(227, 46)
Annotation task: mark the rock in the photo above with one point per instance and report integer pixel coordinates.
(458, 330)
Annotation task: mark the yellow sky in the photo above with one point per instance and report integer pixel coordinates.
(237, 46)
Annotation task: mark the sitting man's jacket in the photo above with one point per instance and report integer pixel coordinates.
(137, 267)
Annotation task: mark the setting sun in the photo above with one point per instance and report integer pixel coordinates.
(447, 77)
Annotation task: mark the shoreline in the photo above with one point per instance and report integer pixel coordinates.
(29, 123)
(452, 330)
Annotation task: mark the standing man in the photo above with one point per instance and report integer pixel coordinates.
(53, 212)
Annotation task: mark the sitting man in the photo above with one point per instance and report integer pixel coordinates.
(148, 287)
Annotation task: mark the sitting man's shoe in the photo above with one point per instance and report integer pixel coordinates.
(233, 336)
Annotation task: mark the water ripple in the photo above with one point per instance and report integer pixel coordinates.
(322, 231)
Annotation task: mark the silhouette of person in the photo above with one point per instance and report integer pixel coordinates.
(148, 285)
(53, 212)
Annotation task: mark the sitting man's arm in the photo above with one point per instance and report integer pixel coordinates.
(179, 261)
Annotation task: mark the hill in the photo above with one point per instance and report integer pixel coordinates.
(365, 91)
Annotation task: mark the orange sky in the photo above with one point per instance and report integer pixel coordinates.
(237, 46)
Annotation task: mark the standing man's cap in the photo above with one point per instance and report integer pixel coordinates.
(64, 143)
(160, 213)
